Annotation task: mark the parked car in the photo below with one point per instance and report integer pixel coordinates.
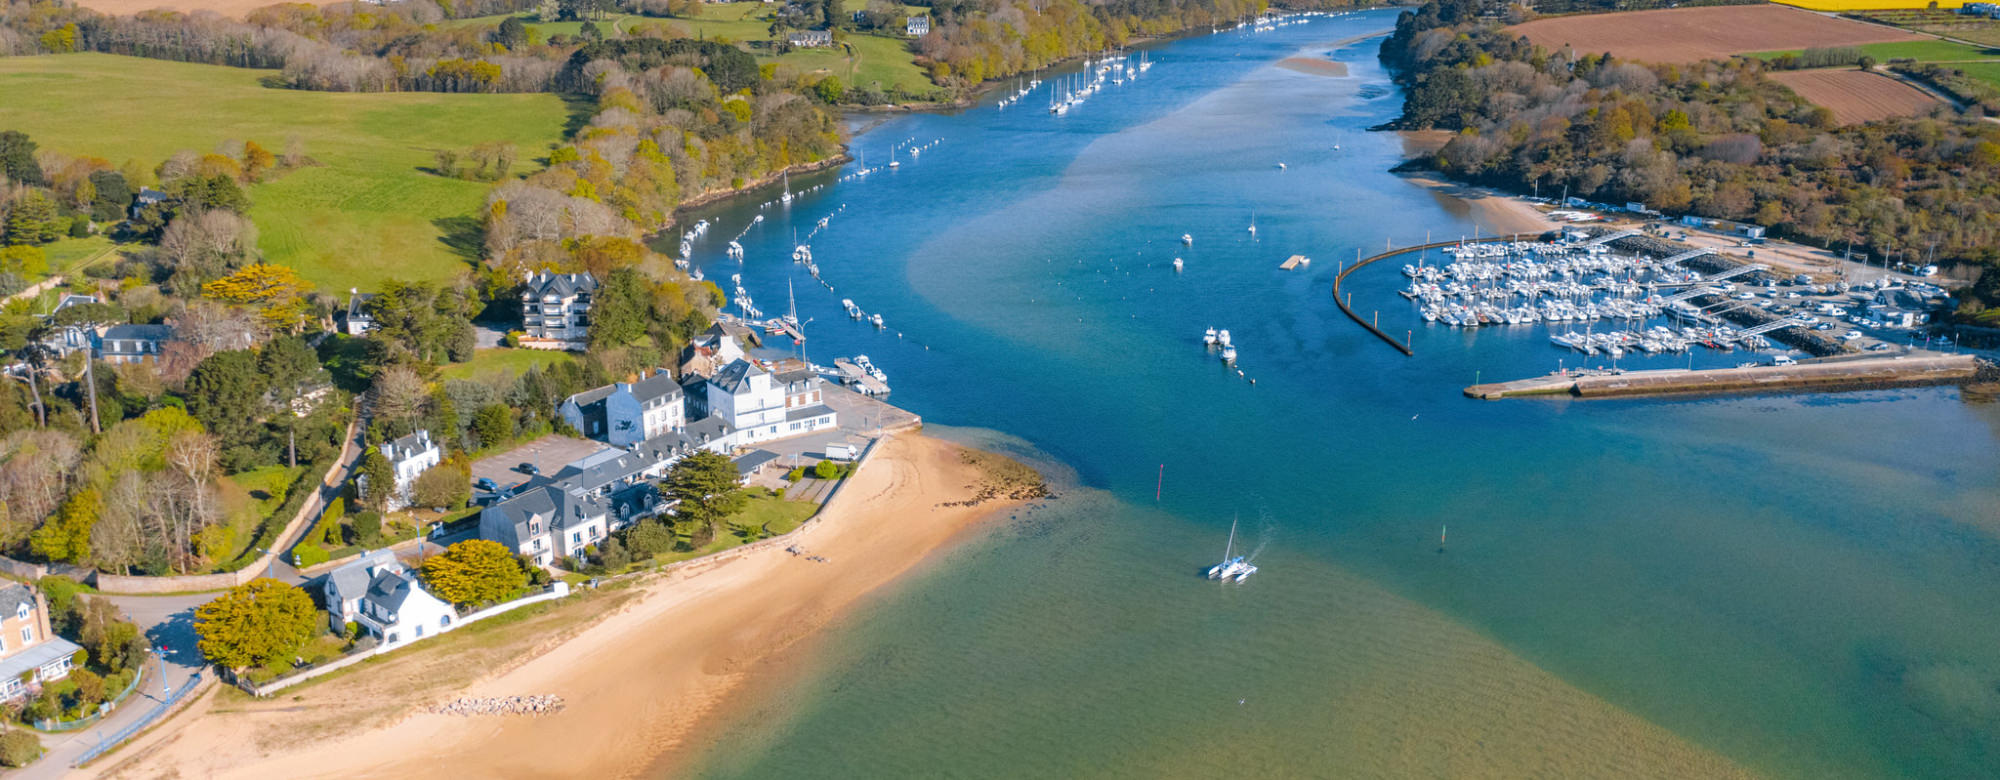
(487, 485)
(528, 468)
(1850, 335)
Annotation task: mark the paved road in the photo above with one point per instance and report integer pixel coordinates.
(168, 622)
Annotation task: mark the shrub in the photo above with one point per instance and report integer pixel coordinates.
(648, 538)
(19, 748)
(307, 554)
(513, 338)
(368, 527)
(797, 473)
(353, 630)
(826, 470)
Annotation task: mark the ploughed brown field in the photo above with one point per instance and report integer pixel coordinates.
(1713, 32)
(1857, 95)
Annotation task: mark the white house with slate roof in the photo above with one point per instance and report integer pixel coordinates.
(743, 404)
(30, 653)
(396, 609)
(558, 515)
(346, 586)
(628, 413)
(556, 307)
(132, 343)
(409, 457)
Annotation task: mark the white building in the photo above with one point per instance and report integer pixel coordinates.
(555, 310)
(396, 608)
(628, 413)
(559, 515)
(409, 457)
(743, 404)
(917, 26)
(345, 587)
(357, 321)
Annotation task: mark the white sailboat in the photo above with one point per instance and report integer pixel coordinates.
(1232, 567)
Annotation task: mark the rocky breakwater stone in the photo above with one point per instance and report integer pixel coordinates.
(500, 705)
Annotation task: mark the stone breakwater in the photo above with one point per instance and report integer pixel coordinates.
(500, 705)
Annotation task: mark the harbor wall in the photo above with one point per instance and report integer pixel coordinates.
(1826, 376)
(1341, 301)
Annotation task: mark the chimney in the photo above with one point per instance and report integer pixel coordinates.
(42, 633)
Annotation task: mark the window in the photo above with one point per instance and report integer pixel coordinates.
(576, 537)
(21, 611)
(27, 634)
(444, 620)
(420, 631)
(392, 638)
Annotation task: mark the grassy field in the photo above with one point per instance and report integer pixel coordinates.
(1921, 51)
(363, 214)
(248, 498)
(878, 59)
(68, 252)
(504, 363)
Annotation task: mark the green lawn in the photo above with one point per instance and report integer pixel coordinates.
(880, 59)
(776, 515)
(248, 498)
(1921, 51)
(505, 363)
(69, 251)
(364, 214)
(1988, 72)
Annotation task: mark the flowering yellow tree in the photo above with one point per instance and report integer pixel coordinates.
(275, 291)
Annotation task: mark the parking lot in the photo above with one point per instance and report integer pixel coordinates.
(549, 453)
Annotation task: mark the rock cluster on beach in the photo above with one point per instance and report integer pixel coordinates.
(500, 705)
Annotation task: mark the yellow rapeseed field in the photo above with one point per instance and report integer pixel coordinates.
(1868, 5)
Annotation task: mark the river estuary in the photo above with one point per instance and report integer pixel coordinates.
(1799, 586)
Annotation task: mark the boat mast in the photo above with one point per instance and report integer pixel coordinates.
(1230, 546)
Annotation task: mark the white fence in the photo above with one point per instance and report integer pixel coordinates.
(556, 591)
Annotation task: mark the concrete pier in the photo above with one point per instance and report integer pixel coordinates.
(1912, 370)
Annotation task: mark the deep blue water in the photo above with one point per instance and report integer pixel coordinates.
(1803, 584)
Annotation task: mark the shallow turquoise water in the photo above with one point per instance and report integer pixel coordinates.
(1805, 585)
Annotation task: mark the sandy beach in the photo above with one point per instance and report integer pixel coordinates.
(1495, 212)
(637, 683)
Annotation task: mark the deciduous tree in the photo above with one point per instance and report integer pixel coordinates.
(275, 291)
(473, 572)
(255, 623)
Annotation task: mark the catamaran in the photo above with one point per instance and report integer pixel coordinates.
(1232, 567)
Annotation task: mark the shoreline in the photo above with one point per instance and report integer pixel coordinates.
(1498, 212)
(639, 683)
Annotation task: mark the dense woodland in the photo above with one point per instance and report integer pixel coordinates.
(1715, 138)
